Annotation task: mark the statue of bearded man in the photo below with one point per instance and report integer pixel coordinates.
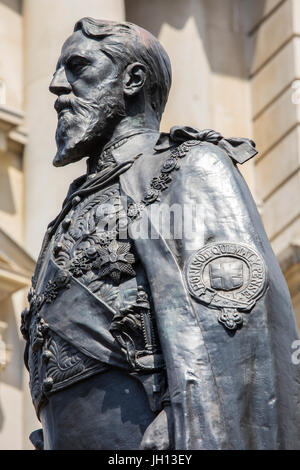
(159, 317)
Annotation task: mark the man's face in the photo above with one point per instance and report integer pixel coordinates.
(90, 98)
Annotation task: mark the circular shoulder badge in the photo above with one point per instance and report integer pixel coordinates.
(228, 276)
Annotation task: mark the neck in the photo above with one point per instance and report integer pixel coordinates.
(129, 125)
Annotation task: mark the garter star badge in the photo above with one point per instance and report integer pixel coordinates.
(230, 277)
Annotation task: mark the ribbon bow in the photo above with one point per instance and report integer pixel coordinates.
(239, 149)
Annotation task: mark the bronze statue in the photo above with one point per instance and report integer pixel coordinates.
(159, 317)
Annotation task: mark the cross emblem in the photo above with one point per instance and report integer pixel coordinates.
(226, 275)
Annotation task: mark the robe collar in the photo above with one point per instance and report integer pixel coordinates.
(239, 149)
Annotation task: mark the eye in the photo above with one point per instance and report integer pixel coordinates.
(76, 64)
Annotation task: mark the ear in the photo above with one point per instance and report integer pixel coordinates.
(134, 78)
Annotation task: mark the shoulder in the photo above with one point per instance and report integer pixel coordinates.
(205, 157)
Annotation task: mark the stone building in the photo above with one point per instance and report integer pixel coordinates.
(236, 66)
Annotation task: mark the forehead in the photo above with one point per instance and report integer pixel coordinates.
(78, 43)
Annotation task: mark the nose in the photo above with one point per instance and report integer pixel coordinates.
(59, 84)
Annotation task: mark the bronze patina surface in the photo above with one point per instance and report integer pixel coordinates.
(158, 316)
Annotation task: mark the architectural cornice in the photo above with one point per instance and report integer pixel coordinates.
(289, 260)
(16, 266)
(289, 257)
(12, 128)
(10, 117)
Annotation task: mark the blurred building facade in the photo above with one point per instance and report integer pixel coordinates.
(235, 69)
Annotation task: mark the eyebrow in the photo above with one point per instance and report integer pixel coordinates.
(76, 55)
(71, 56)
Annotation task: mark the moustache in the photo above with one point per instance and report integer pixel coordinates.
(76, 105)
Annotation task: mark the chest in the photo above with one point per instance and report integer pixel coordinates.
(92, 244)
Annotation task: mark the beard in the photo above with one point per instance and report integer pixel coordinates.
(83, 124)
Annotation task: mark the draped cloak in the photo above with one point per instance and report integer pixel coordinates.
(228, 389)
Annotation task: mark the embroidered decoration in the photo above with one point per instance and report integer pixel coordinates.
(61, 280)
(170, 164)
(230, 318)
(64, 363)
(133, 328)
(114, 260)
(227, 276)
(38, 333)
(55, 364)
(90, 248)
(36, 300)
(80, 265)
(152, 195)
(107, 160)
(161, 182)
(134, 210)
(50, 292)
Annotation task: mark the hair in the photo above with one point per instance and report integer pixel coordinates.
(126, 43)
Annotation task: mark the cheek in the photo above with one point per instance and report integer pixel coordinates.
(94, 79)
(85, 87)
(90, 88)
(97, 80)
